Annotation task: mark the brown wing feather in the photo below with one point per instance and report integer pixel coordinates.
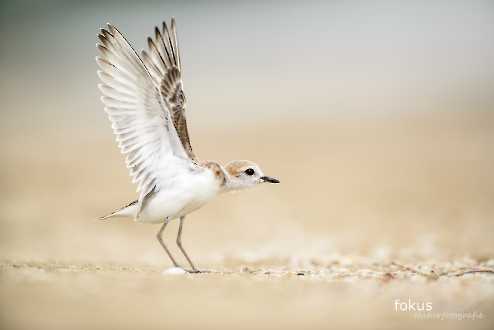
(163, 62)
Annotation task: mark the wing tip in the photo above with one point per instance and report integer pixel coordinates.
(105, 31)
(102, 49)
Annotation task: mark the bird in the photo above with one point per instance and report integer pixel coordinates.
(143, 96)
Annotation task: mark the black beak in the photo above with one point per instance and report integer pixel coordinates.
(269, 179)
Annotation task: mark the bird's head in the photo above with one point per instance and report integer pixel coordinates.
(245, 174)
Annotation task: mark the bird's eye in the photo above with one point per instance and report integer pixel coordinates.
(249, 171)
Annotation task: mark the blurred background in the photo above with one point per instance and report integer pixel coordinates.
(376, 116)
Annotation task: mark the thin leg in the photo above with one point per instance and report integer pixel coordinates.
(160, 239)
(179, 243)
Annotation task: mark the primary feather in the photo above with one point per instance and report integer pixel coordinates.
(163, 61)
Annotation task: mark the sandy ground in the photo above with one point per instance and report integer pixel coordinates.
(371, 210)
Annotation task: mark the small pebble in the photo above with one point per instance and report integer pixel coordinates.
(173, 271)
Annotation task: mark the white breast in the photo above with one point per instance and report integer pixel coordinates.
(185, 192)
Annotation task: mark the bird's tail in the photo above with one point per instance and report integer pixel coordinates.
(118, 212)
(108, 216)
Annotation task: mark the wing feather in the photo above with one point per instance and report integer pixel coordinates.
(163, 61)
(140, 121)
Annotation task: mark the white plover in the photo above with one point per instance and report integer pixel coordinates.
(144, 99)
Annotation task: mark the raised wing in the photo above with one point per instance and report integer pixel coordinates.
(163, 62)
(140, 121)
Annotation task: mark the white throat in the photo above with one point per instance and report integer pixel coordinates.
(234, 184)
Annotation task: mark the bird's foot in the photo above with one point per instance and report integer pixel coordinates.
(194, 271)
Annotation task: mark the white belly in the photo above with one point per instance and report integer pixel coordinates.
(186, 193)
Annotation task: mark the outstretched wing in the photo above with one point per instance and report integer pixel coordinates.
(164, 65)
(141, 123)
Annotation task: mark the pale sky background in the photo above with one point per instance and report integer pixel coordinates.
(257, 60)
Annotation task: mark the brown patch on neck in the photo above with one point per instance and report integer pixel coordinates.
(218, 172)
